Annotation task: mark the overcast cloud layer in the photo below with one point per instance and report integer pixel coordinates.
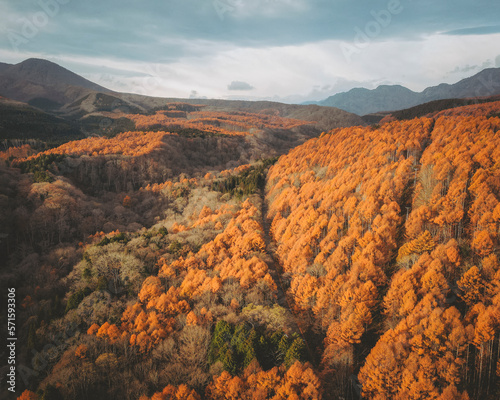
(288, 50)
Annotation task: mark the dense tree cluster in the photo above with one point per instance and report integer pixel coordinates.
(248, 181)
(225, 285)
(393, 231)
(480, 109)
(212, 122)
(13, 152)
(299, 382)
(127, 143)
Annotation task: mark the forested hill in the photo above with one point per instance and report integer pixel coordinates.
(389, 239)
(152, 264)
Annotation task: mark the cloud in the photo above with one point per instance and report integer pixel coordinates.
(195, 95)
(292, 74)
(466, 69)
(478, 30)
(238, 85)
(472, 69)
(287, 49)
(159, 30)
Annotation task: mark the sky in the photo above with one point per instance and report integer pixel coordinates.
(283, 50)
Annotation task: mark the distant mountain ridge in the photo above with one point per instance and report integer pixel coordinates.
(363, 101)
(54, 91)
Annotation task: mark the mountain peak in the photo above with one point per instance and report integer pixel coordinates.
(37, 61)
(38, 64)
(36, 78)
(46, 72)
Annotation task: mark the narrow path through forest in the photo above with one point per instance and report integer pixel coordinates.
(272, 262)
(275, 272)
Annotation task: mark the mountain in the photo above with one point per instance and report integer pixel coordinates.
(4, 66)
(484, 83)
(43, 83)
(395, 97)
(363, 101)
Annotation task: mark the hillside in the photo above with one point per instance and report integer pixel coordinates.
(325, 118)
(181, 139)
(19, 121)
(390, 98)
(389, 246)
(363, 261)
(428, 109)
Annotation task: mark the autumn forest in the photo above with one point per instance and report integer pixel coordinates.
(211, 253)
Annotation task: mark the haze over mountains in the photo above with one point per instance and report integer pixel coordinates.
(363, 101)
